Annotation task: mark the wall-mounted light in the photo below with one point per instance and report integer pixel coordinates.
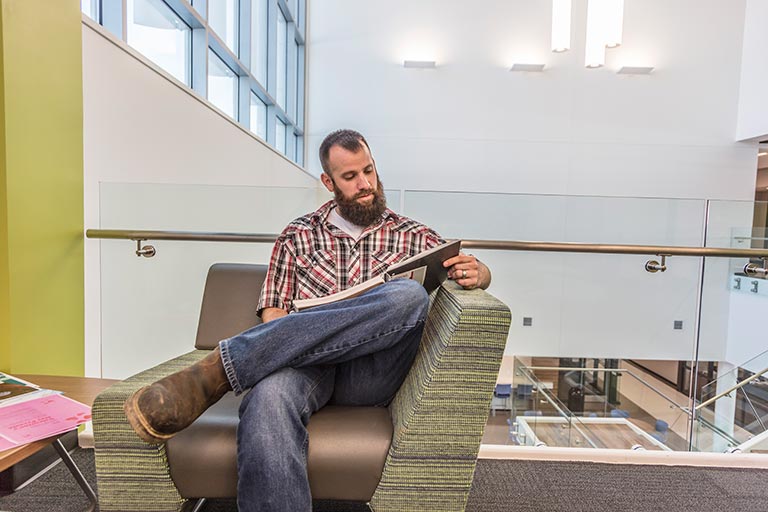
(422, 64)
(561, 25)
(594, 52)
(635, 70)
(605, 19)
(531, 68)
(614, 20)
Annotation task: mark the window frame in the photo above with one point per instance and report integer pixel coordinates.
(195, 14)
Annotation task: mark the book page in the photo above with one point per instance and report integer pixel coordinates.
(417, 274)
(354, 291)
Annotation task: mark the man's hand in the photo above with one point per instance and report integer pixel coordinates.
(468, 271)
(269, 314)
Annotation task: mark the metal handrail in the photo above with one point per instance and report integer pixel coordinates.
(187, 236)
(197, 236)
(732, 389)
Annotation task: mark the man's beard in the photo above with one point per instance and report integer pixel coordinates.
(361, 214)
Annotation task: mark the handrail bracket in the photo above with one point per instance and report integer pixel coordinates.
(147, 251)
(654, 266)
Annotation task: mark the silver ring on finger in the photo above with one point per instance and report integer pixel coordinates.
(463, 274)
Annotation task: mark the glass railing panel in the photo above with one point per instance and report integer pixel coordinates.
(149, 307)
(537, 417)
(586, 305)
(733, 333)
(601, 416)
(582, 304)
(730, 375)
(657, 410)
(736, 414)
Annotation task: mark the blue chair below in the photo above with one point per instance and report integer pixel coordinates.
(533, 413)
(501, 392)
(661, 433)
(619, 413)
(524, 390)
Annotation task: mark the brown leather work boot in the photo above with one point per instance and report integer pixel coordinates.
(159, 411)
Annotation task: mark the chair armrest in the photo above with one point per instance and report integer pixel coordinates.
(131, 473)
(441, 409)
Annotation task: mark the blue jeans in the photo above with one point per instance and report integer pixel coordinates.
(353, 352)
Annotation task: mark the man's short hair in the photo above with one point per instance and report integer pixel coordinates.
(347, 139)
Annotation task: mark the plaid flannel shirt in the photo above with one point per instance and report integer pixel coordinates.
(313, 258)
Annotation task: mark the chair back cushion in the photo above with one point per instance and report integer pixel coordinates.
(229, 302)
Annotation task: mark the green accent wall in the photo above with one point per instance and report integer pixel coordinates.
(41, 187)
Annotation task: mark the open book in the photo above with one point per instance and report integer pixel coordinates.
(425, 267)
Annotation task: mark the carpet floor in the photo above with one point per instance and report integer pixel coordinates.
(502, 485)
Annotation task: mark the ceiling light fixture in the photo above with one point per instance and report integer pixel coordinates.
(533, 68)
(561, 25)
(422, 64)
(635, 70)
(762, 153)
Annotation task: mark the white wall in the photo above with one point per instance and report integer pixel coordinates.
(158, 157)
(753, 109)
(472, 125)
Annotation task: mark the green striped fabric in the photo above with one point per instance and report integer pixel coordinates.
(441, 409)
(439, 415)
(132, 475)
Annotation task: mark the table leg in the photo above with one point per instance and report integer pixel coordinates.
(81, 481)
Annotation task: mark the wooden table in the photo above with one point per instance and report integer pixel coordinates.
(81, 389)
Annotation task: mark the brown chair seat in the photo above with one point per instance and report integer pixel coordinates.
(347, 450)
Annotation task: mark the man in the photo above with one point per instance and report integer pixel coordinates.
(351, 352)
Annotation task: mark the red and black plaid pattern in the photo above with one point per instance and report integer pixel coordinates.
(313, 258)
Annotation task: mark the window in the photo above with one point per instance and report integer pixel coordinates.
(222, 85)
(279, 135)
(158, 33)
(258, 116)
(282, 57)
(90, 8)
(223, 18)
(198, 43)
(298, 146)
(259, 31)
(299, 114)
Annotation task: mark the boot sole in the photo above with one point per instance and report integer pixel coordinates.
(139, 422)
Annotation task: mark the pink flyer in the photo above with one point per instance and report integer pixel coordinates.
(40, 418)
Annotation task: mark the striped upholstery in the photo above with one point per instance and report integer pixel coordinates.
(439, 415)
(131, 474)
(441, 409)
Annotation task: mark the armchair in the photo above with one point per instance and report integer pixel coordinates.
(417, 454)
